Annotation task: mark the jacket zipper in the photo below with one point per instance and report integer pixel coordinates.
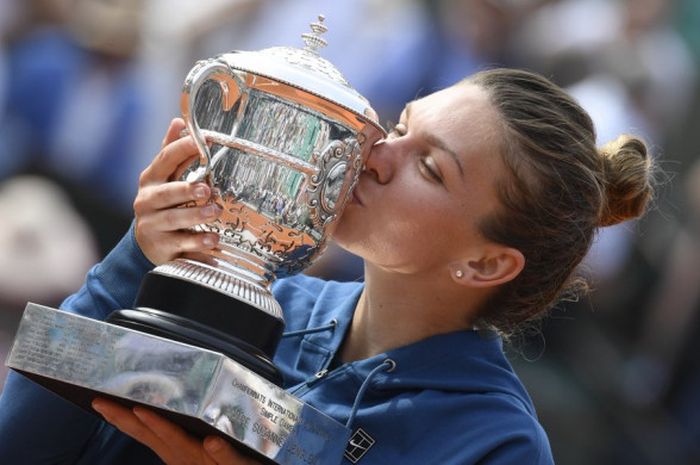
(320, 375)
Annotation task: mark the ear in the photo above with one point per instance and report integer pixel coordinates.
(498, 266)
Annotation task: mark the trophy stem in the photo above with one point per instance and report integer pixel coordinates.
(228, 278)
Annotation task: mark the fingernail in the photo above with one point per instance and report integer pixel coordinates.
(208, 241)
(212, 444)
(138, 412)
(200, 192)
(99, 409)
(97, 406)
(208, 211)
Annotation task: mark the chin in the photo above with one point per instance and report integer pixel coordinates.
(343, 231)
(342, 242)
(345, 241)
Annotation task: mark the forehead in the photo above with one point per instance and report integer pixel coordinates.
(461, 115)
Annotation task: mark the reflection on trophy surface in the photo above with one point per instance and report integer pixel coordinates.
(281, 137)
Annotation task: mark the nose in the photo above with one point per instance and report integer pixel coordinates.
(380, 161)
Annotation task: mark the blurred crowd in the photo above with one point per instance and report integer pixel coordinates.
(88, 87)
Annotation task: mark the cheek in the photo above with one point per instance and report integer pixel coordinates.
(401, 233)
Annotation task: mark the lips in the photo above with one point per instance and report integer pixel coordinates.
(356, 198)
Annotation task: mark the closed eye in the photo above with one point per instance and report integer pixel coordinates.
(426, 167)
(398, 130)
(429, 170)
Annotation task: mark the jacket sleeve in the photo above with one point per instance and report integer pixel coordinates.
(38, 427)
(113, 283)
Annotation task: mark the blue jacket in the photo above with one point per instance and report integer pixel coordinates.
(448, 399)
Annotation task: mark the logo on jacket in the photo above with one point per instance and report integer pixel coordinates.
(358, 445)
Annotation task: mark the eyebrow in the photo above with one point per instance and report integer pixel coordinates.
(437, 142)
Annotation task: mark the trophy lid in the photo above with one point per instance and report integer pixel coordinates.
(307, 70)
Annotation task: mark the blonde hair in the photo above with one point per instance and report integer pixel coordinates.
(627, 180)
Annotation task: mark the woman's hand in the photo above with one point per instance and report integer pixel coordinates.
(172, 444)
(160, 220)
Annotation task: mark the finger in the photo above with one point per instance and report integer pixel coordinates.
(224, 454)
(175, 219)
(174, 131)
(172, 434)
(177, 174)
(125, 421)
(165, 247)
(167, 161)
(168, 195)
(165, 430)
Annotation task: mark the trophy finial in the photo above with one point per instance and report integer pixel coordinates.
(313, 39)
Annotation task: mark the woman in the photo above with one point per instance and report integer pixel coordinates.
(471, 218)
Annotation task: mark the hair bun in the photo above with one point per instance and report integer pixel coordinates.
(628, 180)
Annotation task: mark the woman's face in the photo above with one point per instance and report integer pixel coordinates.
(427, 186)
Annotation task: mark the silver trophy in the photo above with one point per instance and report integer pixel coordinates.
(281, 138)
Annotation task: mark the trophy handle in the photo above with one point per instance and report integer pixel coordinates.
(230, 89)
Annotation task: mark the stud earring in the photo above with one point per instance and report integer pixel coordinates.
(459, 274)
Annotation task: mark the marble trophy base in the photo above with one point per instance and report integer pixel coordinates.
(203, 390)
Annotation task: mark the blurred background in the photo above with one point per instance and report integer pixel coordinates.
(88, 87)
